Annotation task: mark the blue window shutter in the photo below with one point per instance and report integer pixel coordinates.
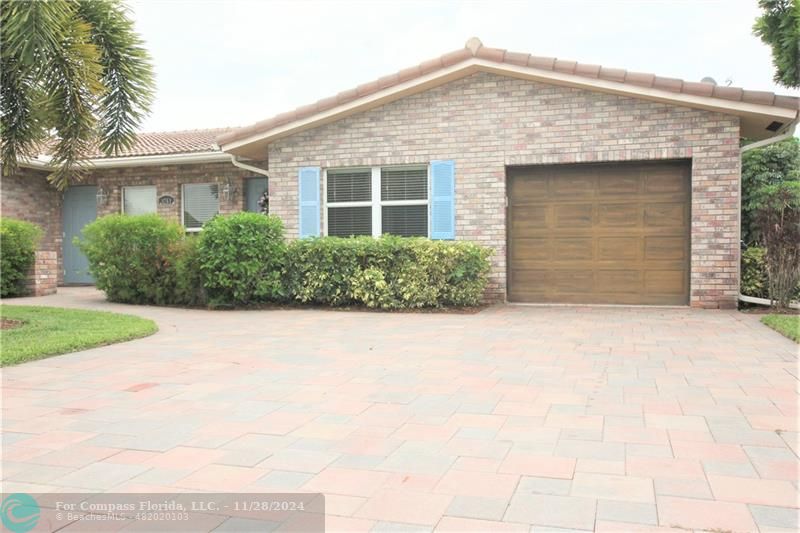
(443, 197)
(308, 183)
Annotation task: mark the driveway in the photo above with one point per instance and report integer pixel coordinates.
(581, 418)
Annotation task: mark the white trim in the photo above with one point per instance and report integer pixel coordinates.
(403, 202)
(122, 195)
(45, 163)
(323, 202)
(375, 203)
(377, 220)
(473, 65)
(365, 203)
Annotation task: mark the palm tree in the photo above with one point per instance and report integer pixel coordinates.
(75, 75)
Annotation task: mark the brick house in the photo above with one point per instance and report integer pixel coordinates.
(591, 184)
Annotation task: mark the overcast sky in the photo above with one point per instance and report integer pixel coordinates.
(235, 62)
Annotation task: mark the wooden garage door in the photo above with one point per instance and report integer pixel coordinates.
(610, 233)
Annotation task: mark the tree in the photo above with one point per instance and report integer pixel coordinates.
(779, 28)
(763, 167)
(777, 215)
(75, 76)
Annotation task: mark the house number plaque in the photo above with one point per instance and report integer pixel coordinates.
(166, 200)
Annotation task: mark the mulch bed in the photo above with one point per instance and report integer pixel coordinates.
(7, 323)
(754, 309)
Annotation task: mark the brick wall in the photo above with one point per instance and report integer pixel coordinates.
(28, 196)
(43, 276)
(486, 122)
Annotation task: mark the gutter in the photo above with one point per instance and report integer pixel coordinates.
(760, 144)
(44, 163)
(244, 166)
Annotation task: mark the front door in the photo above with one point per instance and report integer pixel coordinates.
(80, 208)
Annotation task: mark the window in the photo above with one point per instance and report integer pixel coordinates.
(404, 201)
(200, 204)
(256, 195)
(374, 201)
(349, 199)
(139, 200)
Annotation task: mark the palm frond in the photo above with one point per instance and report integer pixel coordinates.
(127, 73)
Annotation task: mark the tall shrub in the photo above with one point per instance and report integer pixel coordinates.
(132, 258)
(18, 242)
(777, 215)
(241, 257)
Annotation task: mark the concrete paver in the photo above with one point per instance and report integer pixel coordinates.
(514, 418)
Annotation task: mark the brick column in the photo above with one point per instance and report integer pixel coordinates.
(43, 276)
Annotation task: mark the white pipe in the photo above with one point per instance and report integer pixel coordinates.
(766, 142)
(245, 166)
(765, 301)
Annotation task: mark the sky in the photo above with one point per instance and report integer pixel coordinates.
(234, 62)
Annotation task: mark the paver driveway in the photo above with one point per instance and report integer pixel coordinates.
(556, 417)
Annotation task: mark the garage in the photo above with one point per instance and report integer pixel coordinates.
(599, 233)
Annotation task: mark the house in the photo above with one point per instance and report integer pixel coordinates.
(591, 184)
(180, 175)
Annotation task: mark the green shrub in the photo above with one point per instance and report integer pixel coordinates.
(189, 290)
(18, 242)
(755, 278)
(241, 257)
(388, 273)
(132, 258)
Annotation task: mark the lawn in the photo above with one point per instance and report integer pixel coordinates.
(787, 325)
(47, 331)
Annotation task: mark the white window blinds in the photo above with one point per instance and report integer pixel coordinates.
(139, 200)
(200, 204)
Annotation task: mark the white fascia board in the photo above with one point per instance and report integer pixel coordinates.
(472, 65)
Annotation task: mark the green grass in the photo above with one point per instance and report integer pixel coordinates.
(787, 325)
(48, 331)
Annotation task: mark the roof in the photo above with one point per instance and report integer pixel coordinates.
(476, 57)
(169, 142)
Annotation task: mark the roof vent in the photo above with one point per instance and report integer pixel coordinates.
(473, 44)
(709, 79)
(774, 126)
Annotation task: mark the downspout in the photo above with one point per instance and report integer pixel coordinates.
(245, 166)
(789, 133)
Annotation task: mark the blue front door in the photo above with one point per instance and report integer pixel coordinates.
(80, 208)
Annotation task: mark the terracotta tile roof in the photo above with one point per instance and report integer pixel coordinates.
(474, 48)
(169, 142)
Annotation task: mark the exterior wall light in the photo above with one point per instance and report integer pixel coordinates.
(101, 196)
(229, 191)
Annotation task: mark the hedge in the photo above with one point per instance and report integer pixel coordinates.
(388, 273)
(18, 242)
(243, 259)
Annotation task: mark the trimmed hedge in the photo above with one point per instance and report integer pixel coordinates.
(132, 258)
(388, 273)
(240, 257)
(18, 242)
